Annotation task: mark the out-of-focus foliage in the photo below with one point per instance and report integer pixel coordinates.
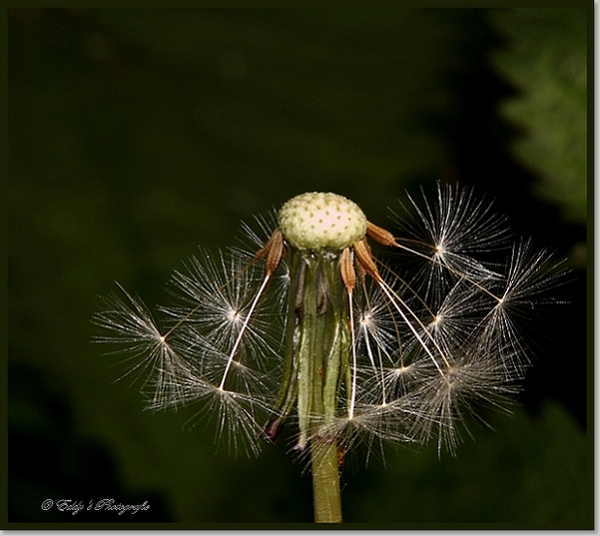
(545, 59)
(134, 136)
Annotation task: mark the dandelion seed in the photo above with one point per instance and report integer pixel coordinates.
(304, 324)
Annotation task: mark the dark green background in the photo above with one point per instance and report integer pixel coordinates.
(136, 135)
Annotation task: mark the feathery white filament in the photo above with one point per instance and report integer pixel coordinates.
(243, 329)
(353, 346)
(394, 299)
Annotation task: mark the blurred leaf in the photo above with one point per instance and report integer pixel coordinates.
(545, 59)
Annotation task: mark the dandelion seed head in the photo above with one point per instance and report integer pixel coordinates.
(403, 354)
(316, 220)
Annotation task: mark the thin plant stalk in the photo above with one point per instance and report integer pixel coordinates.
(326, 483)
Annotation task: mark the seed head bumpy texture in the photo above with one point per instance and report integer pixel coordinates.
(321, 220)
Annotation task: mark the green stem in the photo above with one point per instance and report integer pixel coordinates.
(326, 483)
